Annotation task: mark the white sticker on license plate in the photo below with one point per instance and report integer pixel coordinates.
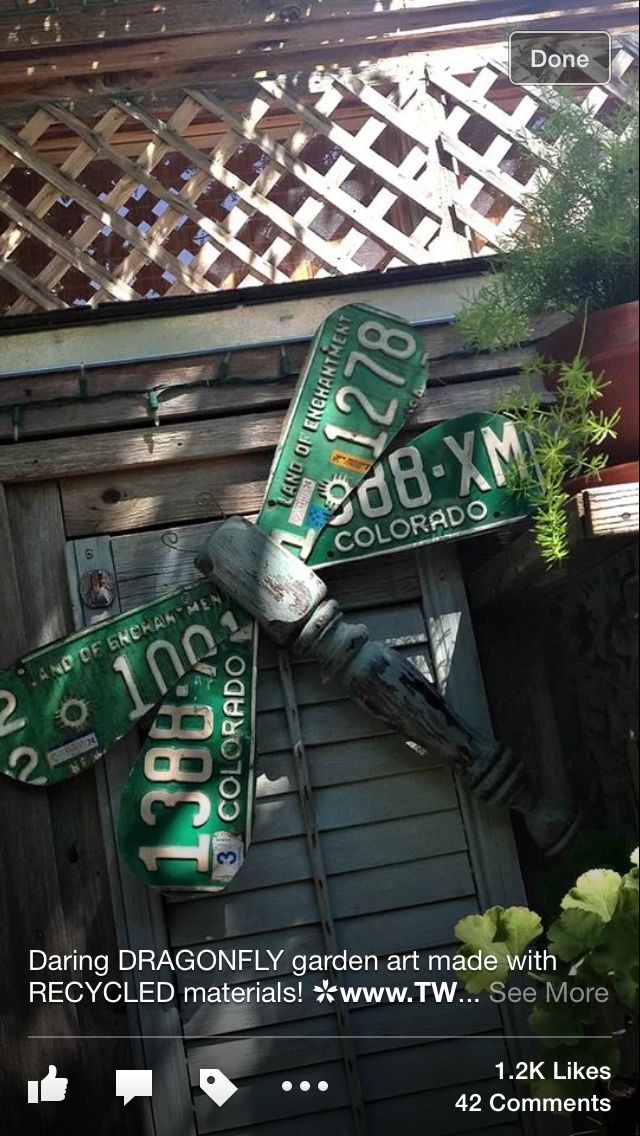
(301, 503)
(228, 856)
(74, 748)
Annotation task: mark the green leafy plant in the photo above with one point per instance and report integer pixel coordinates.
(495, 319)
(502, 932)
(594, 942)
(578, 249)
(562, 437)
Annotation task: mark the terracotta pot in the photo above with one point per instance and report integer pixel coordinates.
(611, 346)
(611, 475)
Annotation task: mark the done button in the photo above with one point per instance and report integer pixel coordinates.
(560, 58)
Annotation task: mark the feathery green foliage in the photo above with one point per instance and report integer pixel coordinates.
(578, 250)
(562, 437)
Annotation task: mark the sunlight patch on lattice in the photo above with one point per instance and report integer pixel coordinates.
(136, 203)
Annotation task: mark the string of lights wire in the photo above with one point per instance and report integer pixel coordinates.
(154, 396)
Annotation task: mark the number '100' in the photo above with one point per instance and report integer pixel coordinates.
(194, 661)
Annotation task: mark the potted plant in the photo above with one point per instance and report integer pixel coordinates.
(591, 946)
(577, 253)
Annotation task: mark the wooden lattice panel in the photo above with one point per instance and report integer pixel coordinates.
(133, 199)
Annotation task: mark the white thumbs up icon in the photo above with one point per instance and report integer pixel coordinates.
(50, 1088)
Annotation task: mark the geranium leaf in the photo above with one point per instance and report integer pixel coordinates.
(564, 1021)
(595, 891)
(478, 931)
(501, 932)
(616, 955)
(520, 927)
(574, 933)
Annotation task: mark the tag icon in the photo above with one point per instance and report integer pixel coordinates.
(218, 1087)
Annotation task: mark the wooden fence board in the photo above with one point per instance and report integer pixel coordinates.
(138, 488)
(611, 510)
(125, 500)
(131, 41)
(220, 437)
(286, 1050)
(294, 906)
(53, 890)
(179, 18)
(52, 405)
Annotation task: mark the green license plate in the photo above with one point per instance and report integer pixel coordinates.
(186, 811)
(66, 704)
(447, 483)
(365, 372)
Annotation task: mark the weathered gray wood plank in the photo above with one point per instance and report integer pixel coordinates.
(400, 840)
(53, 889)
(283, 1050)
(457, 668)
(408, 794)
(394, 931)
(37, 461)
(189, 472)
(357, 760)
(12, 642)
(125, 384)
(375, 1027)
(147, 60)
(611, 510)
(379, 890)
(309, 685)
(128, 499)
(330, 722)
(203, 1018)
(220, 437)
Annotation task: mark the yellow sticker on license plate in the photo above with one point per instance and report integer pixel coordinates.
(347, 461)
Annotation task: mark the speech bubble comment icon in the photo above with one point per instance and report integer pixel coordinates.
(217, 1087)
(132, 1083)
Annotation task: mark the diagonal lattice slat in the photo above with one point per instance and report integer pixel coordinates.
(48, 195)
(193, 189)
(181, 203)
(236, 186)
(432, 160)
(117, 197)
(329, 192)
(103, 212)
